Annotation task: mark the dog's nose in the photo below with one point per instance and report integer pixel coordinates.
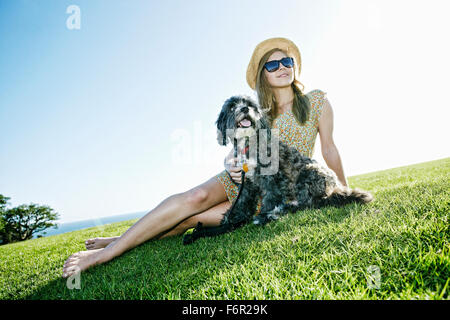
(244, 109)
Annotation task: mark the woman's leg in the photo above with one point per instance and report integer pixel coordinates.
(210, 217)
(164, 217)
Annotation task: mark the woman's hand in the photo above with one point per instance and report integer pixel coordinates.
(235, 172)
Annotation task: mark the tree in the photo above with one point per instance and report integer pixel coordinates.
(3, 204)
(22, 222)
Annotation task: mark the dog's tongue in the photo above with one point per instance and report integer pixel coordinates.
(245, 123)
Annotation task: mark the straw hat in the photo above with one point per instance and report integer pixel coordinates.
(263, 47)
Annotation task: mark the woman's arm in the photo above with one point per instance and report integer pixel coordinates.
(329, 151)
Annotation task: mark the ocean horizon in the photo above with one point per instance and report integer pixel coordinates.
(64, 227)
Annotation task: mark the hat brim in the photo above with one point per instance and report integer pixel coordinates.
(269, 44)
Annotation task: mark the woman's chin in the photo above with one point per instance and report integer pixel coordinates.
(282, 84)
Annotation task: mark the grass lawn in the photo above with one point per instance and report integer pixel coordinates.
(397, 247)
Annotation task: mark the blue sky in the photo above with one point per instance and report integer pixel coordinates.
(92, 120)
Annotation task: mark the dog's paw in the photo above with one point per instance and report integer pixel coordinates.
(261, 220)
(258, 220)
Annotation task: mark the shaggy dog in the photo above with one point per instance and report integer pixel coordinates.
(285, 180)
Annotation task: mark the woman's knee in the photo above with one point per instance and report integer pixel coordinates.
(196, 196)
(205, 195)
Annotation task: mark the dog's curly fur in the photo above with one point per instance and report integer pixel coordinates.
(297, 183)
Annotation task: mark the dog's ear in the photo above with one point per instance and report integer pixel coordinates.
(221, 129)
(221, 138)
(223, 119)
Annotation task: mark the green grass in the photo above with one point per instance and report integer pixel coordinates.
(314, 254)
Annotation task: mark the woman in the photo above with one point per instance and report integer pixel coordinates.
(299, 117)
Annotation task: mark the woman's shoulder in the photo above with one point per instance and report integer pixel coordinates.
(316, 94)
(317, 100)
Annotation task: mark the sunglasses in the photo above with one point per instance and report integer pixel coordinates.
(274, 65)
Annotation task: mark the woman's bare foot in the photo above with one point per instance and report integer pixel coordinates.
(98, 243)
(82, 260)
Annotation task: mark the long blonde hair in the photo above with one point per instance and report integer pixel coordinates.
(301, 106)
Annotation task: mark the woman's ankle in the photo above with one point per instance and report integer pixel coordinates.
(111, 243)
(106, 254)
